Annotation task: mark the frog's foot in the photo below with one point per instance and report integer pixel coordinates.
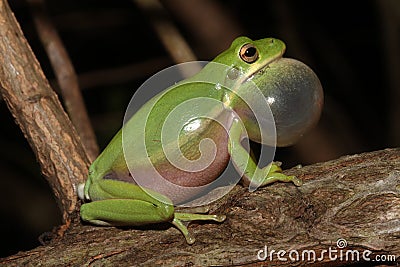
(180, 217)
(273, 174)
(201, 209)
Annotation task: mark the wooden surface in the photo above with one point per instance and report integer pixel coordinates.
(355, 198)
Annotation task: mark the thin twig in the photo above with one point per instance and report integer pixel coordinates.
(214, 26)
(166, 31)
(66, 77)
(127, 73)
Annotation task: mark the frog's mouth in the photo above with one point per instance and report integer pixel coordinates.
(246, 79)
(265, 67)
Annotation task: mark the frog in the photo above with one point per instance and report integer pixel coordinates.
(111, 195)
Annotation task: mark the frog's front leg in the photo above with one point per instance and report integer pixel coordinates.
(116, 203)
(252, 175)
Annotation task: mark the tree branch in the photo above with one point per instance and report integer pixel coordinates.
(66, 77)
(355, 198)
(39, 114)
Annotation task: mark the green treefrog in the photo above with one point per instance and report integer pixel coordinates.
(289, 88)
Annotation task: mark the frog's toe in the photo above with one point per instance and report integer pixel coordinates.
(296, 181)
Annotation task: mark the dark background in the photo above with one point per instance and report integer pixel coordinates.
(353, 46)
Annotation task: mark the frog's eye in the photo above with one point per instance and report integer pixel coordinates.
(248, 53)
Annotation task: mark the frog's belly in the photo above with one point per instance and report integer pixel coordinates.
(188, 179)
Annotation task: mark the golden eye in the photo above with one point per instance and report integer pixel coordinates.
(248, 53)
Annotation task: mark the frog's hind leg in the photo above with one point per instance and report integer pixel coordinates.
(121, 212)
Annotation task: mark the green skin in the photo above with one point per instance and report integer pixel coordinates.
(115, 201)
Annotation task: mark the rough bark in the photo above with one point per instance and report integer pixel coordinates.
(355, 198)
(66, 77)
(40, 115)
